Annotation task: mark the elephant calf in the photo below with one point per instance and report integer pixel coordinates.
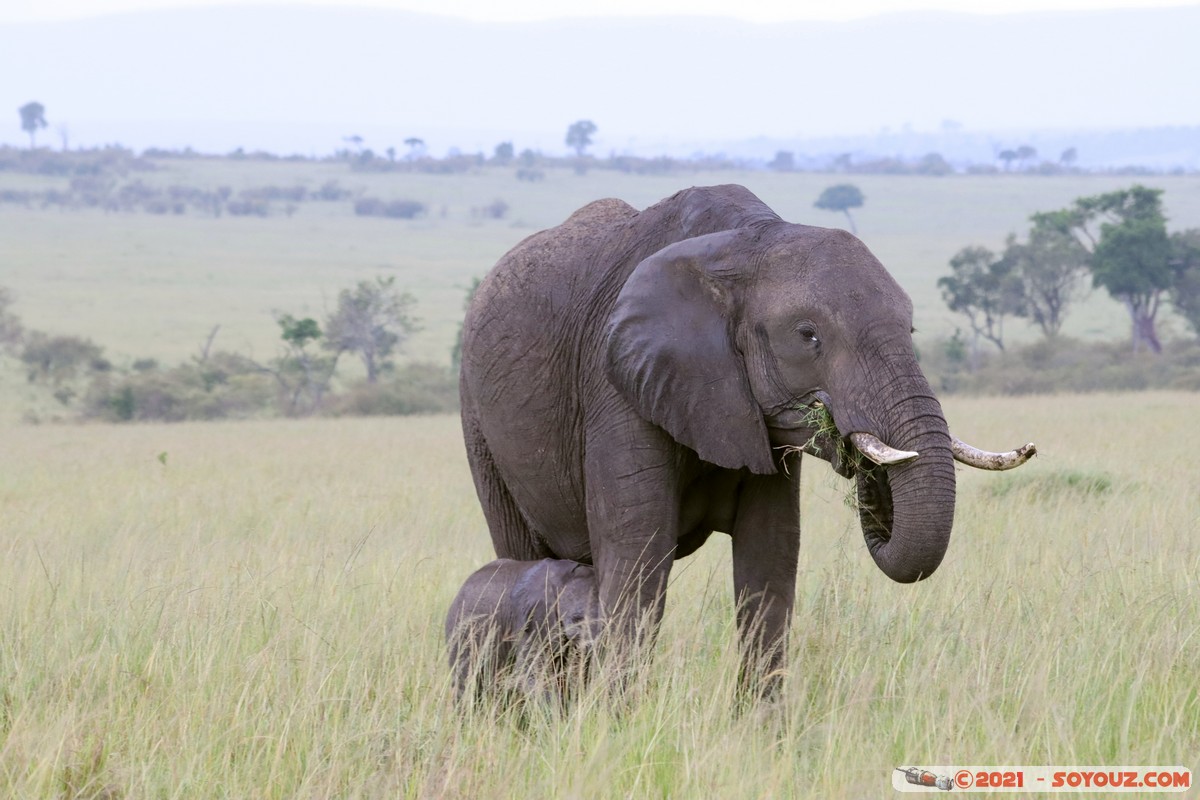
(518, 627)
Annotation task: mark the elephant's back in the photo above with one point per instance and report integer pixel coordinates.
(578, 234)
(526, 309)
(553, 284)
(550, 263)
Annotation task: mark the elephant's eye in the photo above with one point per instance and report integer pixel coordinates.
(808, 333)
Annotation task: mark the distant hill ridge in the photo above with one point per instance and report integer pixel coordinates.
(299, 78)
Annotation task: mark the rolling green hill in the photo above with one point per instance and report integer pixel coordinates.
(151, 285)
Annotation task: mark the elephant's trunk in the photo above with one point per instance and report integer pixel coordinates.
(907, 509)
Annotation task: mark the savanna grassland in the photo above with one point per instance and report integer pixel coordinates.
(253, 609)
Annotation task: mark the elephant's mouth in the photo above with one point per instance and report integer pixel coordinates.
(799, 412)
(806, 423)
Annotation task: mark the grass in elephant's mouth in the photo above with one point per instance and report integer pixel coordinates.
(816, 415)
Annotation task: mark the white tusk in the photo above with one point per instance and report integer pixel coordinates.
(879, 452)
(982, 459)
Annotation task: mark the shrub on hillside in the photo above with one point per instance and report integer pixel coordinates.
(248, 208)
(1064, 365)
(413, 389)
(497, 209)
(331, 191)
(96, 161)
(396, 209)
(224, 385)
(294, 194)
(61, 358)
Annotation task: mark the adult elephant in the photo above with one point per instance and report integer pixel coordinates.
(633, 381)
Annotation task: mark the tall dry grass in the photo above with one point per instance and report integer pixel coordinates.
(254, 610)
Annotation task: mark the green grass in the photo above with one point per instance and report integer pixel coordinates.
(260, 616)
(1061, 486)
(145, 285)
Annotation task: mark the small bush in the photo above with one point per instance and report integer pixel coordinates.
(248, 208)
(61, 358)
(97, 161)
(497, 209)
(1063, 365)
(295, 194)
(413, 389)
(225, 385)
(396, 209)
(332, 191)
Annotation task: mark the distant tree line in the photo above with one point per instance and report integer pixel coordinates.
(1116, 241)
(579, 139)
(370, 324)
(109, 193)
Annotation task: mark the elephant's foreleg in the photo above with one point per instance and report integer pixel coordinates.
(633, 525)
(766, 546)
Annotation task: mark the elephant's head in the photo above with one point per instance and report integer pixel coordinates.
(558, 602)
(724, 339)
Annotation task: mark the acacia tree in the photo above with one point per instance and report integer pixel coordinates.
(503, 153)
(1130, 256)
(416, 147)
(33, 117)
(985, 290)
(302, 373)
(579, 135)
(1026, 153)
(371, 320)
(60, 359)
(1185, 262)
(1051, 267)
(842, 197)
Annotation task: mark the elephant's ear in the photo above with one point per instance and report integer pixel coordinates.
(671, 350)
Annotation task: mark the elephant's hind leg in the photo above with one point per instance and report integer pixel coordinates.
(511, 534)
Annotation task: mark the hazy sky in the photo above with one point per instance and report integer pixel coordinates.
(247, 76)
(514, 10)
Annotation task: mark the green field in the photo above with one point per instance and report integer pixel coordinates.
(154, 286)
(260, 617)
(253, 609)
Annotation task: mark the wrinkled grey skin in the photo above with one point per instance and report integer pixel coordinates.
(627, 384)
(518, 625)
